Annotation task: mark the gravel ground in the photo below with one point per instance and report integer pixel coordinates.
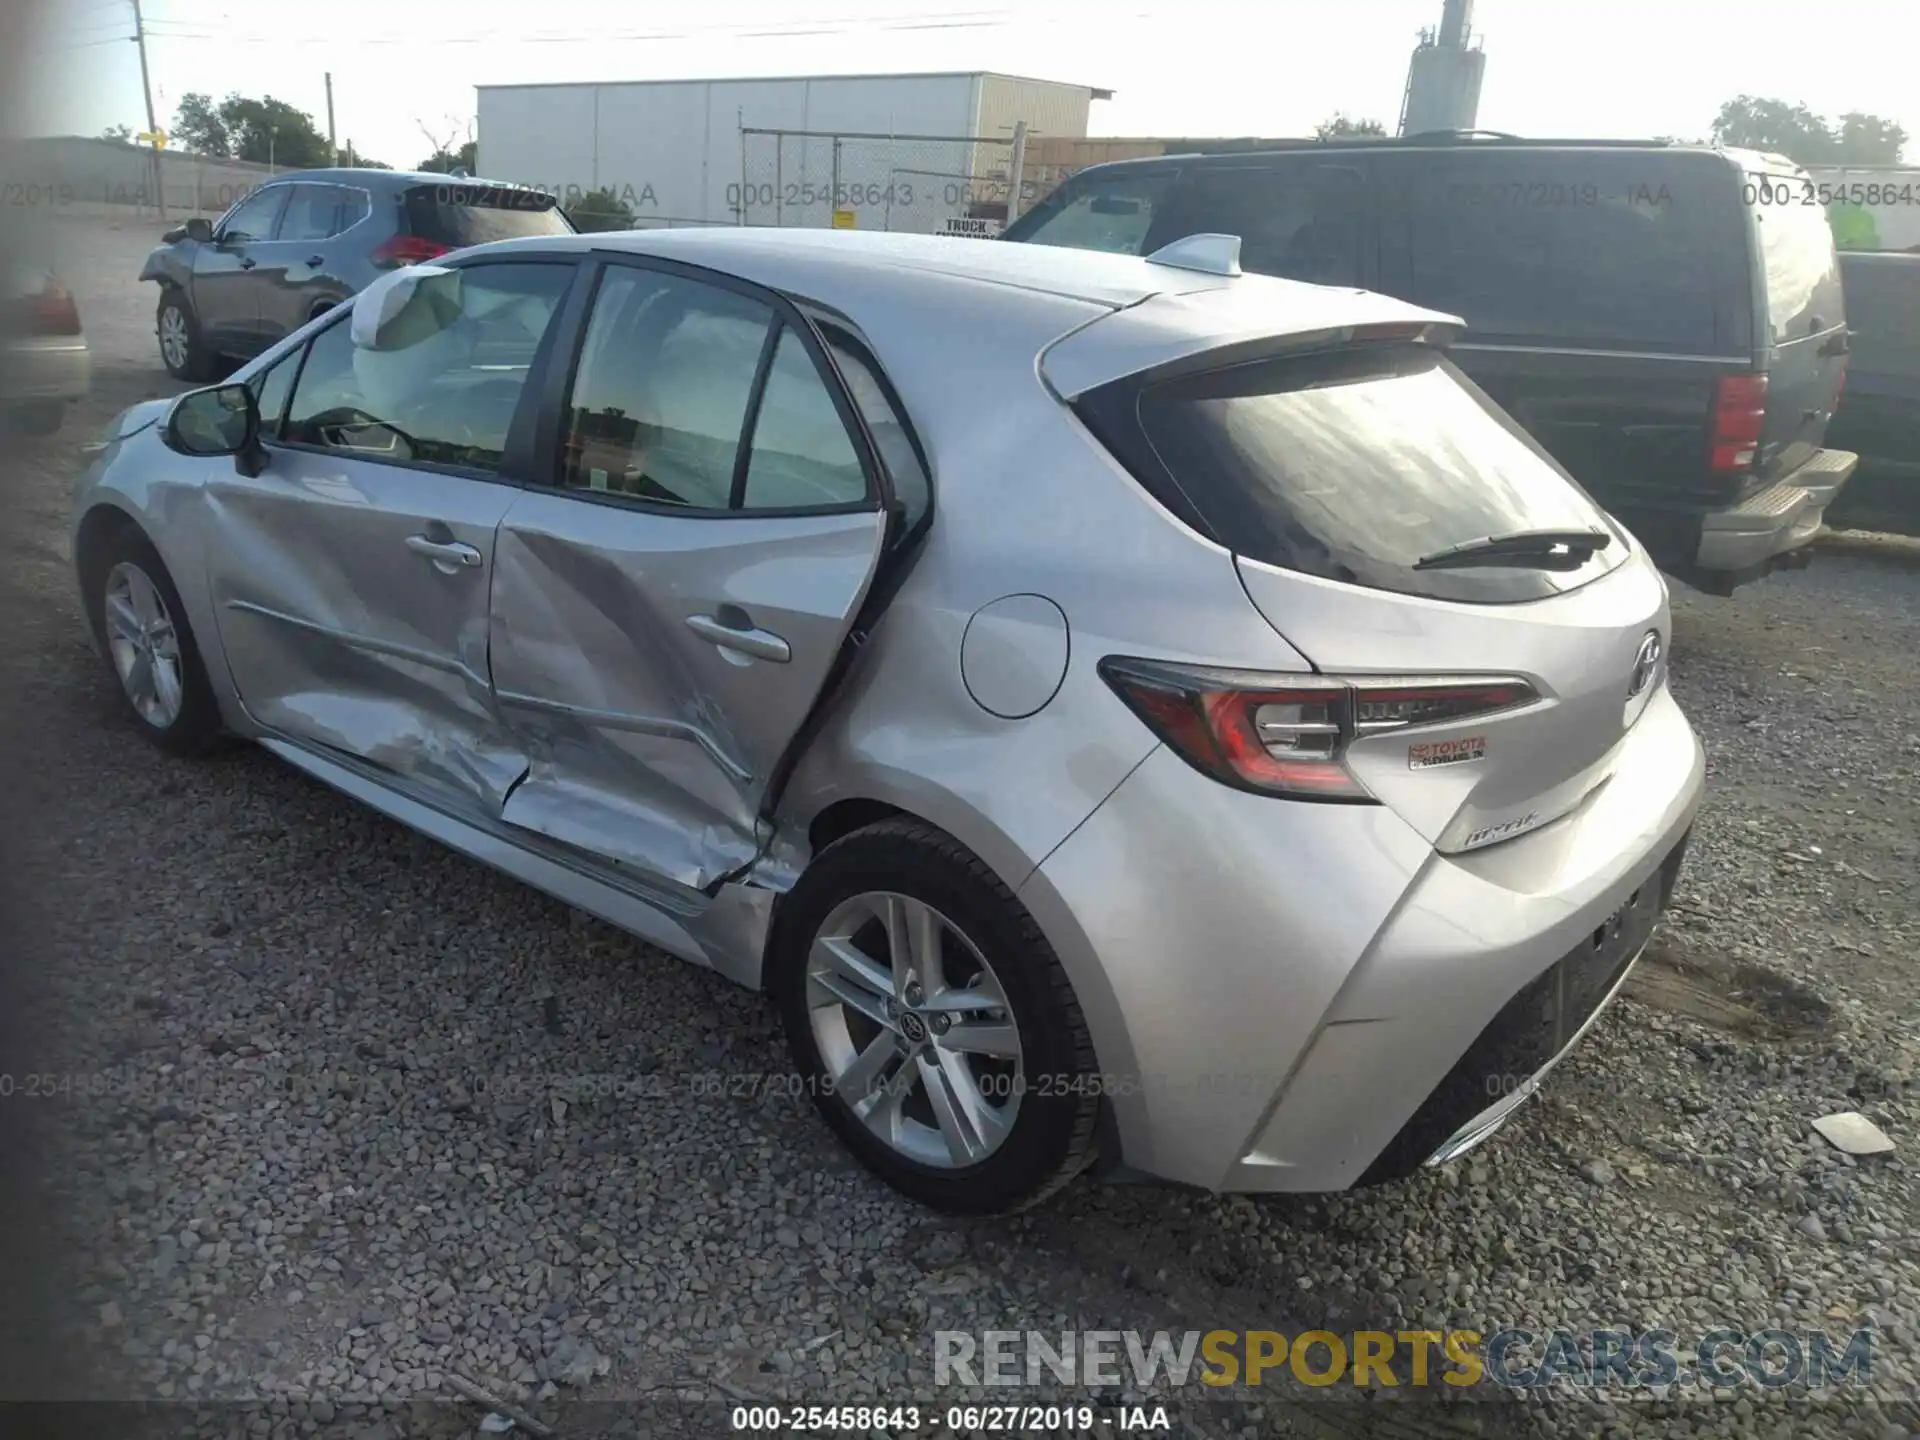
(335, 1112)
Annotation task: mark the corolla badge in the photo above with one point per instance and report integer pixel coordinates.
(1646, 664)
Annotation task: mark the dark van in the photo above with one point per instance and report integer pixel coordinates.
(1666, 320)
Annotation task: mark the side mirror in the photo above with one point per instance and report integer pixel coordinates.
(194, 229)
(220, 420)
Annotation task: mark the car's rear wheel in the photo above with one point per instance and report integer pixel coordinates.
(932, 1022)
(183, 348)
(149, 646)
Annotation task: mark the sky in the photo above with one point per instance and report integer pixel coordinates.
(402, 73)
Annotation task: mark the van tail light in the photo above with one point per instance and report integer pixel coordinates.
(1288, 735)
(52, 311)
(407, 250)
(1739, 412)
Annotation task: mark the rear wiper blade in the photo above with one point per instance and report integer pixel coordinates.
(1546, 549)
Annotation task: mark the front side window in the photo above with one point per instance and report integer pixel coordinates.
(252, 218)
(444, 383)
(679, 401)
(1102, 212)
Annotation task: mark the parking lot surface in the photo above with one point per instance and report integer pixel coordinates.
(328, 1112)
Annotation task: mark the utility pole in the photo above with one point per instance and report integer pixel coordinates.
(153, 124)
(333, 150)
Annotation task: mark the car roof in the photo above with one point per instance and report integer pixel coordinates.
(793, 260)
(349, 175)
(1154, 314)
(1240, 153)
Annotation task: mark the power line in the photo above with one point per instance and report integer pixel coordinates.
(967, 19)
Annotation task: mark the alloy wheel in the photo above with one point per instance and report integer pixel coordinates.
(145, 645)
(914, 1030)
(173, 337)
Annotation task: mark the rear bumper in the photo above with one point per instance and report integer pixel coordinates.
(1775, 521)
(1297, 997)
(55, 369)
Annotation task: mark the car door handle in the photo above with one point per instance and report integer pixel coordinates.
(744, 638)
(316, 261)
(444, 552)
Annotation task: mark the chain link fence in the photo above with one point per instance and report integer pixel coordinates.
(919, 184)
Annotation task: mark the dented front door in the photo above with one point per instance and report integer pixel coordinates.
(352, 604)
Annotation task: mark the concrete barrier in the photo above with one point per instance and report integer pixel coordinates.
(53, 173)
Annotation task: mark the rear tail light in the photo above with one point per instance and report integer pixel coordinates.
(408, 250)
(1739, 412)
(52, 311)
(1288, 734)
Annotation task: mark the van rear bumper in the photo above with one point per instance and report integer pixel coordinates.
(1748, 539)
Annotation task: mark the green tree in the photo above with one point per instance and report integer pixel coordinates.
(445, 162)
(1339, 127)
(122, 133)
(1753, 123)
(198, 128)
(600, 210)
(265, 131)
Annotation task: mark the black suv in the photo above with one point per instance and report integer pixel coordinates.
(1665, 319)
(304, 241)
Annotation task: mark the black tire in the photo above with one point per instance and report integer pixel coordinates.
(1053, 1135)
(197, 363)
(43, 417)
(196, 730)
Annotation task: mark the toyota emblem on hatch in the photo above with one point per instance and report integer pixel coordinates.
(1645, 665)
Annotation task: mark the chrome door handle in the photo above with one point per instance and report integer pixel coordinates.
(445, 553)
(761, 644)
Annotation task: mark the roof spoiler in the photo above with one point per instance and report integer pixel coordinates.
(1209, 254)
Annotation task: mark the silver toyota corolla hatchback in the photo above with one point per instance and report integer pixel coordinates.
(1129, 715)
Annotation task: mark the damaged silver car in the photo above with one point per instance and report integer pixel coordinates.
(1131, 716)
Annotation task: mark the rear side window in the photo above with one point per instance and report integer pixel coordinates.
(1301, 221)
(1796, 252)
(313, 213)
(1098, 212)
(1627, 249)
(457, 215)
(1353, 465)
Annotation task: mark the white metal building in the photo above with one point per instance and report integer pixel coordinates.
(875, 151)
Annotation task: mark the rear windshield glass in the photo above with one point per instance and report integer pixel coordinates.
(1353, 465)
(1796, 251)
(460, 215)
(1629, 249)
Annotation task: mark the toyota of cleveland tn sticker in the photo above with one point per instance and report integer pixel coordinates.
(1446, 752)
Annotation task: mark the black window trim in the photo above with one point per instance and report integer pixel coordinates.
(516, 457)
(821, 318)
(546, 473)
